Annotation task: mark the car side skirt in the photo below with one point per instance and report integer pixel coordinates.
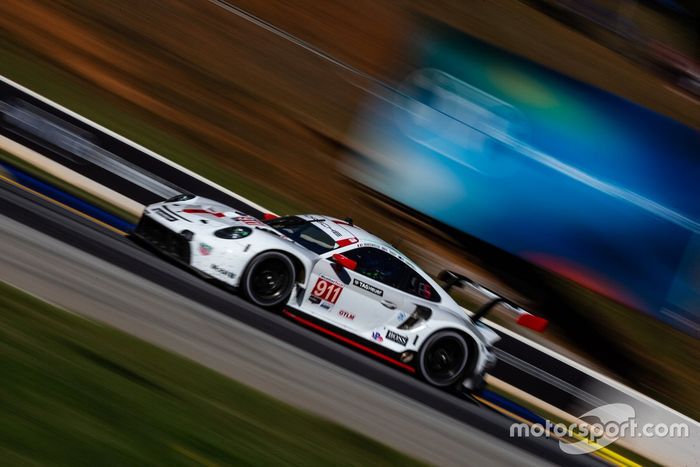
(347, 338)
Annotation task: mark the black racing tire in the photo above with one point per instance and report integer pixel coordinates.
(268, 279)
(443, 358)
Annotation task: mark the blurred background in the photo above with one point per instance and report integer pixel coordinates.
(549, 148)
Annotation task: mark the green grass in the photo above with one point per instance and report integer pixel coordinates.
(77, 393)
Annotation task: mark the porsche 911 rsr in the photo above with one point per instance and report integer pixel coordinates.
(329, 275)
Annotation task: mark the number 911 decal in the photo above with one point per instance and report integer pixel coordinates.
(325, 292)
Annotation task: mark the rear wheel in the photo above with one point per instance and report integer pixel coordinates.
(268, 279)
(443, 358)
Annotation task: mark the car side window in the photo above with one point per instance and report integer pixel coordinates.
(379, 265)
(418, 286)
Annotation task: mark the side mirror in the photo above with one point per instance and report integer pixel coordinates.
(344, 261)
(268, 216)
(532, 322)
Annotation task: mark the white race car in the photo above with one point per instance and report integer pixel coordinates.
(332, 276)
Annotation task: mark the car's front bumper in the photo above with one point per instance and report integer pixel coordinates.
(166, 241)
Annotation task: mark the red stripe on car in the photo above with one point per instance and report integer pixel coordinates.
(203, 211)
(349, 341)
(346, 241)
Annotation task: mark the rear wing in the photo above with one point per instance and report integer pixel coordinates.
(523, 317)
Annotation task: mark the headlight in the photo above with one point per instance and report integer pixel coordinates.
(420, 313)
(233, 233)
(180, 197)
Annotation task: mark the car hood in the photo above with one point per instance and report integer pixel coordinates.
(209, 214)
(201, 214)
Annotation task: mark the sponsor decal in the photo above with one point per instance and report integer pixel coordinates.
(166, 215)
(204, 249)
(398, 338)
(327, 290)
(335, 232)
(248, 220)
(368, 287)
(377, 336)
(346, 315)
(401, 316)
(314, 299)
(223, 271)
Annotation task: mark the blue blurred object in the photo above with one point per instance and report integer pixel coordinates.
(65, 198)
(562, 174)
(512, 407)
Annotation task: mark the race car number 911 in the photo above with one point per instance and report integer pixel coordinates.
(326, 290)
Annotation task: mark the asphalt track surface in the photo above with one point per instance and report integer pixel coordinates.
(81, 266)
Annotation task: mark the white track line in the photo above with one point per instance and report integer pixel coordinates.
(132, 144)
(73, 178)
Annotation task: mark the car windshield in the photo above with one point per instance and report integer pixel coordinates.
(304, 232)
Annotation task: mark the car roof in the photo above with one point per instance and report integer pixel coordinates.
(343, 232)
(333, 226)
(346, 234)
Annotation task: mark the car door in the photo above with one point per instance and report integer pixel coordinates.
(363, 299)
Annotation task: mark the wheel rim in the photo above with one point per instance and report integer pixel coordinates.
(445, 359)
(269, 280)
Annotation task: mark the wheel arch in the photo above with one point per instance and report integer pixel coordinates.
(249, 264)
(472, 346)
(299, 266)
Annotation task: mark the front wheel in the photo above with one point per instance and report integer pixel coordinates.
(268, 279)
(443, 358)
